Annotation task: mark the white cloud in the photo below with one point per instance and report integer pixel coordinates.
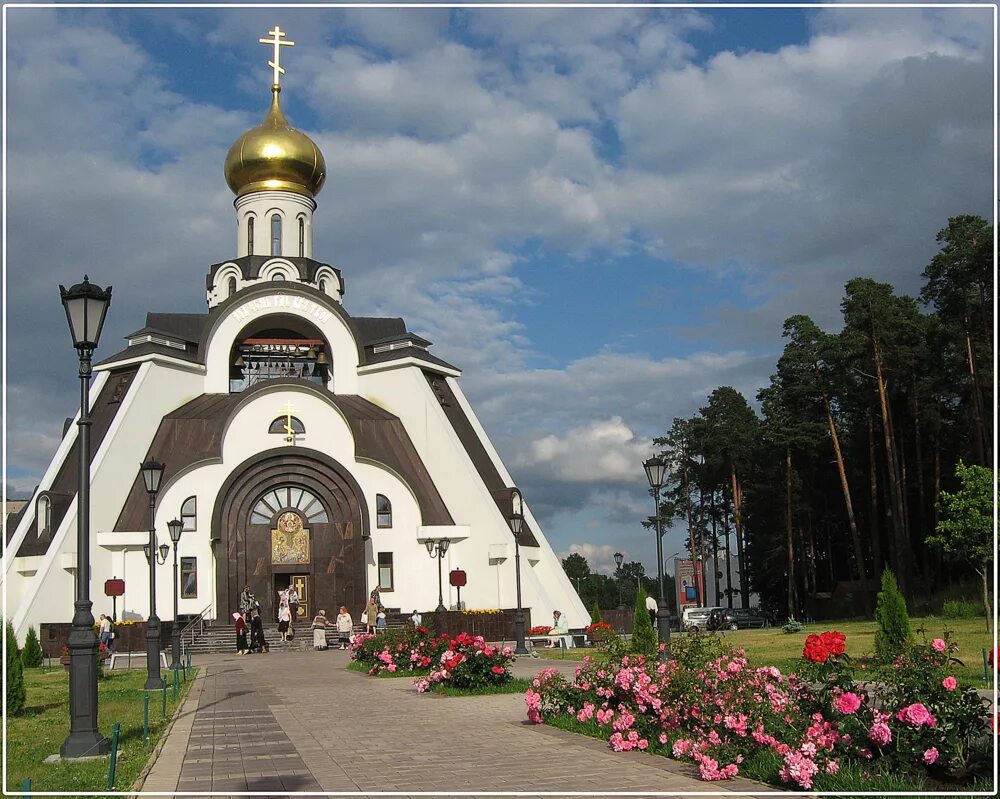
(600, 451)
(600, 557)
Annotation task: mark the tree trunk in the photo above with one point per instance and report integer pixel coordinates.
(740, 546)
(918, 456)
(984, 576)
(715, 547)
(899, 533)
(729, 559)
(874, 528)
(979, 436)
(859, 552)
(790, 543)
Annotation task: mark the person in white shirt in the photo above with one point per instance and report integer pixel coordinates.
(560, 630)
(416, 618)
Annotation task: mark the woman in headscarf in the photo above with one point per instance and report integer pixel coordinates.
(345, 626)
(241, 634)
(257, 642)
(319, 630)
(284, 617)
(371, 612)
(247, 601)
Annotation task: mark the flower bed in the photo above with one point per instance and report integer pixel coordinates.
(541, 629)
(469, 662)
(709, 706)
(406, 649)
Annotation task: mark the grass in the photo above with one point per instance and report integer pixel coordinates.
(514, 686)
(44, 726)
(361, 668)
(772, 647)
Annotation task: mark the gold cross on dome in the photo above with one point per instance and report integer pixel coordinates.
(277, 33)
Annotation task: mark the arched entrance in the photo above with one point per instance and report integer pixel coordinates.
(291, 516)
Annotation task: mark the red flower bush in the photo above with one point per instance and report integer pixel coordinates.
(819, 648)
(469, 662)
(540, 629)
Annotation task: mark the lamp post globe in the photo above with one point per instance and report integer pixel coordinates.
(86, 307)
(516, 521)
(176, 527)
(152, 475)
(655, 469)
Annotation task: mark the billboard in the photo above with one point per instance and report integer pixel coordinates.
(690, 583)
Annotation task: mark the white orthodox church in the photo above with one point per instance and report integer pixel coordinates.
(303, 445)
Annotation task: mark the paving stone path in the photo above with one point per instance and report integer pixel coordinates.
(300, 722)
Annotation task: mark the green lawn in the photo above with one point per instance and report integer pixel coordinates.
(517, 685)
(772, 647)
(44, 726)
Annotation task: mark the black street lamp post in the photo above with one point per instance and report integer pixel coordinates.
(436, 549)
(86, 306)
(516, 520)
(655, 468)
(152, 474)
(619, 557)
(176, 527)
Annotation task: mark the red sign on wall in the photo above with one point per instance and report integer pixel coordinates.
(457, 577)
(114, 588)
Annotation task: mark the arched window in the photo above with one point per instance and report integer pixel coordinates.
(250, 236)
(232, 286)
(302, 237)
(288, 497)
(278, 276)
(43, 516)
(189, 513)
(383, 509)
(275, 234)
(279, 426)
(322, 285)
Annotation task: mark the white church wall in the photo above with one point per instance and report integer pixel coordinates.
(287, 302)
(156, 390)
(261, 206)
(405, 392)
(547, 569)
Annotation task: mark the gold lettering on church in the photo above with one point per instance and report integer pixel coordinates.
(290, 541)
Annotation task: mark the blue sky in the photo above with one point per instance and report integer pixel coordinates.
(599, 214)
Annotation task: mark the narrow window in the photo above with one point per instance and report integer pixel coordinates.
(302, 237)
(250, 236)
(322, 285)
(189, 578)
(43, 516)
(232, 286)
(189, 513)
(275, 234)
(384, 510)
(385, 571)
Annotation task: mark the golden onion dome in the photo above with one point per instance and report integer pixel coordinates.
(274, 156)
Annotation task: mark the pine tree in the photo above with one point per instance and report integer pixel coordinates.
(643, 637)
(15, 676)
(31, 655)
(894, 633)
(595, 614)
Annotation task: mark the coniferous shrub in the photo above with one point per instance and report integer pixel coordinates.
(31, 655)
(16, 694)
(894, 634)
(595, 614)
(643, 636)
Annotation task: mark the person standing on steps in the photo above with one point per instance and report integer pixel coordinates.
(284, 617)
(371, 613)
(319, 626)
(293, 606)
(345, 626)
(247, 601)
(242, 647)
(257, 642)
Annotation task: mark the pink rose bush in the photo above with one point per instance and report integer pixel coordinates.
(403, 650)
(468, 662)
(709, 706)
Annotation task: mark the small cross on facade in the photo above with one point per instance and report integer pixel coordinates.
(277, 33)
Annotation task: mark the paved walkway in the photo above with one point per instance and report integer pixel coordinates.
(300, 721)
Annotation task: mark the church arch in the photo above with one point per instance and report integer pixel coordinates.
(335, 573)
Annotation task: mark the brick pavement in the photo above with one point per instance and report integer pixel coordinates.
(299, 721)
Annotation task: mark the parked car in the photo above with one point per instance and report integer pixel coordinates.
(748, 618)
(696, 618)
(721, 619)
